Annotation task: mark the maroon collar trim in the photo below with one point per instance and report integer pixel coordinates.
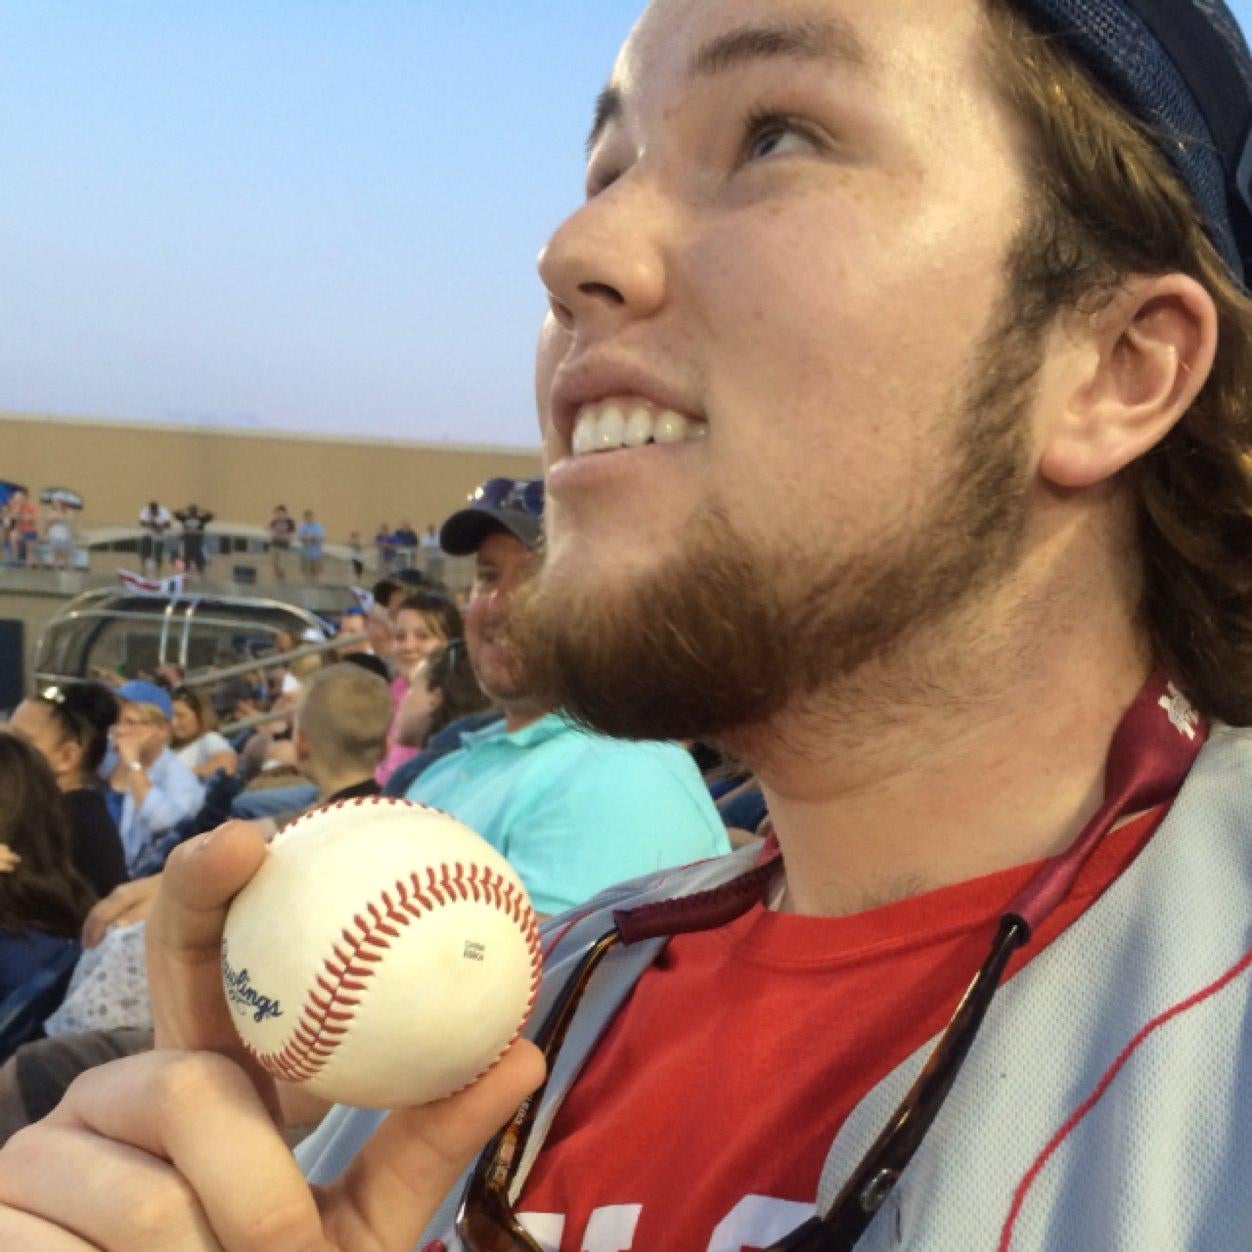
(703, 910)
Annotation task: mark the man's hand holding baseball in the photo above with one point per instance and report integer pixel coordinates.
(179, 1148)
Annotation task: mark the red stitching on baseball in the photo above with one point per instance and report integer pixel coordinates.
(318, 1031)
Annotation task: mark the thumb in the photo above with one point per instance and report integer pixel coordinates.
(386, 1198)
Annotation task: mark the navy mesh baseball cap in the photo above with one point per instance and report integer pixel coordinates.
(1182, 67)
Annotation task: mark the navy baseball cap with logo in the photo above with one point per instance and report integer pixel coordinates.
(1183, 69)
(514, 505)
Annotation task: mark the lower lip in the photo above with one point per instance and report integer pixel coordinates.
(594, 469)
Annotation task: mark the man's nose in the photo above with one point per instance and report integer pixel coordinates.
(606, 261)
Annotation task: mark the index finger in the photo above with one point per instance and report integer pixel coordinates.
(184, 939)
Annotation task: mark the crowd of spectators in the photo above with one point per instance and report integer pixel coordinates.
(402, 547)
(32, 536)
(35, 535)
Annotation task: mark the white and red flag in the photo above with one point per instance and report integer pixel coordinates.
(172, 586)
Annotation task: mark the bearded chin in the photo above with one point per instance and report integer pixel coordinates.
(694, 647)
(728, 631)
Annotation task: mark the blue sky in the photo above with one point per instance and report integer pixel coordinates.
(319, 215)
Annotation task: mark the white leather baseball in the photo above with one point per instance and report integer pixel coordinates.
(383, 955)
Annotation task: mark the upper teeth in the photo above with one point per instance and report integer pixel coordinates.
(630, 424)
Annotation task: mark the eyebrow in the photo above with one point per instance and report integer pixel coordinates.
(608, 109)
(830, 39)
(816, 39)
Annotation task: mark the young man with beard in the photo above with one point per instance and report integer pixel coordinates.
(970, 301)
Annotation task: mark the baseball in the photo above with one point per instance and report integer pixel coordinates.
(383, 956)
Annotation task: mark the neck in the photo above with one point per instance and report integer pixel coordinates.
(328, 782)
(981, 755)
(518, 714)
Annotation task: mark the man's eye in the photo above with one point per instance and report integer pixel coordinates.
(771, 136)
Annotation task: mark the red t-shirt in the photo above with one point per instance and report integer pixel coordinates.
(704, 1117)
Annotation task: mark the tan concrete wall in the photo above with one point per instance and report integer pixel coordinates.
(240, 475)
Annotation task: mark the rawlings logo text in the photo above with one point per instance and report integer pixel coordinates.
(240, 991)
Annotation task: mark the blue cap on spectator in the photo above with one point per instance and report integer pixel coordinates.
(1182, 67)
(137, 691)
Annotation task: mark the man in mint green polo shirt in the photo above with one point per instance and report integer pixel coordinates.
(572, 811)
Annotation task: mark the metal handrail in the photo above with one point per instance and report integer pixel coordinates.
(271, 659)
(210, 677)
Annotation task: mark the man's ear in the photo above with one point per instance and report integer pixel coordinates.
(1134, 368)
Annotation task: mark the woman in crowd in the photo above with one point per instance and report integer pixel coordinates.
(196, 741)
(420, 623)
(69, 727)
(150, 790)
(43, 898)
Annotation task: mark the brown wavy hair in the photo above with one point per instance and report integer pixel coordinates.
(448, 671)
(1105, 205)
(200, 704)
(44, 892)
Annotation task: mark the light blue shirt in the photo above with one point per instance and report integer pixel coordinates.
(575, 812)
(311, 535)
(176, 794)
